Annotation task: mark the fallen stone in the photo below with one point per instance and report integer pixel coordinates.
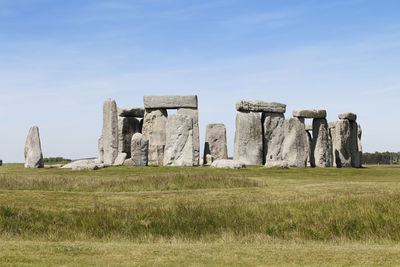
(321, 149)
(140, 150)
(127, 127)
(289, 144)
(228, 164)
(110, 131)
(310, 113)
(53, 166)
(347, 116)
(137, 112)
(179, 144)
(83, 165)
(215, 143)
(154, 130)
(260, 106)
(248, 145)
(270, 122)
(169, 101)
(194, 114)
(277, 163)
(120, 159)
(33, 150)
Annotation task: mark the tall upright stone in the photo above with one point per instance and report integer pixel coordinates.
(179, 145)
(271, 121)
(310, 160)
(345, 141)
(321, 149)
(194, 114)
(110, 131)
(100, 158)
(289, 145)
(127, 127)
(140, 149)
(154, 130)
(360, 151)
(215, 143)
(248, 146)
(33, 149)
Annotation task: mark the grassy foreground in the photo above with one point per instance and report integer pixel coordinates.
(199, 216)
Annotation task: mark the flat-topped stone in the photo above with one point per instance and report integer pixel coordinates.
(260, 106)
(137, 112)
(169, 101)
(348, 116)
(310, 113)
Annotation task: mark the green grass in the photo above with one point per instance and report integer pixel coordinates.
(200, 216)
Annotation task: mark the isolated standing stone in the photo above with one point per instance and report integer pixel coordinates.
(110, 131)
(271, 121)
(321, 150)
(289, 145)
(154, 130)
(215, 143)
(248, 147)
(33, 150)
(140, 150)
(194, 114)
(127, 127)
(179, 145)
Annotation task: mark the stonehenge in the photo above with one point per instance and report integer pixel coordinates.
(33, 149)
(215, 143)
(142, 136)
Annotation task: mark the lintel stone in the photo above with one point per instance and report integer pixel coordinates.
(170, 101)
(137, 112)
(348, 115)
(260, 106)
(310, 113)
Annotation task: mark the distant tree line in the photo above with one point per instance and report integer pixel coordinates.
(381, 158)
(56, 159)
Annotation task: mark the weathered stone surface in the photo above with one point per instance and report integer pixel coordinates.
(128, 162)
(179, 145)
(154, 130)
(310, 113)
(169, 101)
(194, 114)
(83, 164)
(127, 127)
(277, 163)
(289, 145)
(355, 153)
(33, 150)
(321, 149)
(140, 150)
(308, 127)
(110, 131)
(270, 122)
(310, 159)
(100, 158)
(347, 116)
(341, 139)
(360, 151)
(228, 163)
(332, 124)
(137, 112)
(248, 146)
(120, 159)
(260, 106)
(215, 143)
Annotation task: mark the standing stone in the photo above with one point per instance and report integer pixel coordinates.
(179, 145)
(215, 143)
(355, 153)
(194, 114)
(359, 134)
(270, 122)
(154, 130)
(321, 150)
(310, 160)
(248, 147)
(33, 150)
(110, 132)
(140, 149)
(127, 127)
(100, 159)
(289, 145)
(120, 159)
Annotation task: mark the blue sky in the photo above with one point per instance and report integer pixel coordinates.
(60, 59)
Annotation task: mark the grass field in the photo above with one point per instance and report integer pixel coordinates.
(199, 216)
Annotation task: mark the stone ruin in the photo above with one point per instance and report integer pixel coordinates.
(142, 136)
